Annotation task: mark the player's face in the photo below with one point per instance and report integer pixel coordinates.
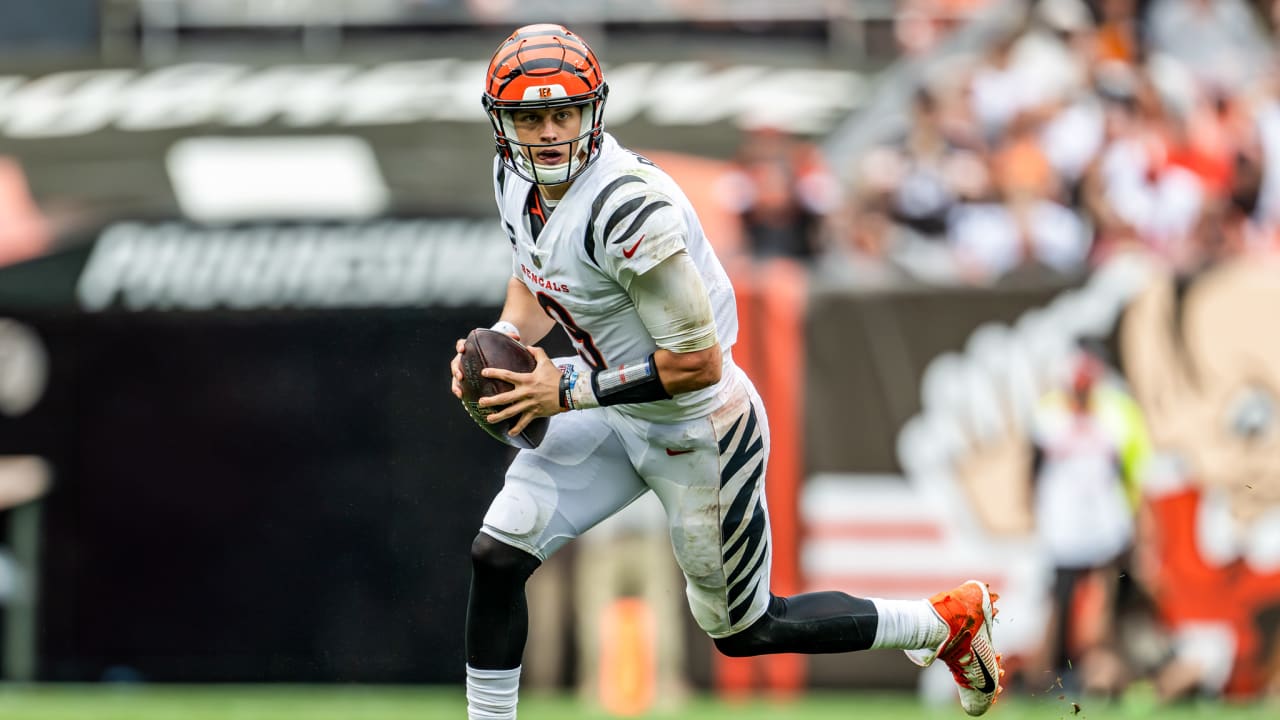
(554, 128)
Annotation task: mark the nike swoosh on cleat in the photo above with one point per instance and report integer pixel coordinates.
(988, 682)
(628, 252)
(674, 453)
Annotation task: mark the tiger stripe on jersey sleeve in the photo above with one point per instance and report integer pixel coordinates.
(597, 205)
(639, 227)
(621, 213)
(649, 209)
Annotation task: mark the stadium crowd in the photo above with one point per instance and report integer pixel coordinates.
(1088, 128)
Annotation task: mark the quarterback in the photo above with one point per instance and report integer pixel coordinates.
(606, 245)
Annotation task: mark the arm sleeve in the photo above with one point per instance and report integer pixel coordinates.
(673, 304)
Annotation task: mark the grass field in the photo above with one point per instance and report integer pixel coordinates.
(100, 702)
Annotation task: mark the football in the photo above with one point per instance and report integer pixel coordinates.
(491, 349)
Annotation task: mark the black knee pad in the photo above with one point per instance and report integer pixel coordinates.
(747, 643)
(754, 639)
(492, 556)
(736, 645)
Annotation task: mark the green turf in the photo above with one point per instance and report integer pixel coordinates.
(98, 702)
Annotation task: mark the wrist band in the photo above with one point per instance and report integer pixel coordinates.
(580, 394)
(630, 383)
(506, 328)
(625, 384)
(568, 377)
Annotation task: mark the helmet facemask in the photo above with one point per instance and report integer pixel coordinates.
(520, 157)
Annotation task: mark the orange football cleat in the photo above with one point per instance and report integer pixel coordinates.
(968, 652)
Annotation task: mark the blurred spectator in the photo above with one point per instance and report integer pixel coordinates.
(1017, 96)
(1118, 36)
(783, 191)
(919, 25)
(1056, 49)
(1259, 230)
(899, 205)
(1220, 41)
(1069, 139)
(1090, 452)
(1133, 192)
(999, 89)
(917, 179)
(1071, 116)
(1035, 68)
(1025, 222)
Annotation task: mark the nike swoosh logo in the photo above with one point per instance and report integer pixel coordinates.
(628, 252)
(674, 453)
(988, 682)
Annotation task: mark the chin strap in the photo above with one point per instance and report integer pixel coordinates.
(564, 169)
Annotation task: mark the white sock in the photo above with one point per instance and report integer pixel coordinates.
(908, 624)
(492, 694)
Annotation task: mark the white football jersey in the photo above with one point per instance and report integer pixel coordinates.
(620, 218)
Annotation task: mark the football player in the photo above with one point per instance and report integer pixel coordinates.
(606, 245)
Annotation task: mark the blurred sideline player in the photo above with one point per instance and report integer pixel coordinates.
(605, 244)
(1090, 452)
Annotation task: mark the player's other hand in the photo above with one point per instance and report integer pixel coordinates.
(455, 366)
(536, 394)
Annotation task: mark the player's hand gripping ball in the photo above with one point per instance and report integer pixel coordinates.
(489, 348)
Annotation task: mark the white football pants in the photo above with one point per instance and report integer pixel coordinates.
(709, 474)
